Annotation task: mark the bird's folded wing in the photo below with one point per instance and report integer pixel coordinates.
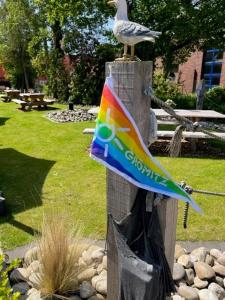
(128, 28)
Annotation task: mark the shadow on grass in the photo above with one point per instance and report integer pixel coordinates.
(22, 178)
(3, 121)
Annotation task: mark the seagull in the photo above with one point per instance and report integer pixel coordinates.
(127, 32)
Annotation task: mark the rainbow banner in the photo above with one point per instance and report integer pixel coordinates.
(118, 145)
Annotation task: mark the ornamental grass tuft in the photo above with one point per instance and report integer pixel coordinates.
(60, 248)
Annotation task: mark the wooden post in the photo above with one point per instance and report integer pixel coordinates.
(130, 81)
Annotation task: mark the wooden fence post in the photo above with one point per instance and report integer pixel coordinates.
(130, 81)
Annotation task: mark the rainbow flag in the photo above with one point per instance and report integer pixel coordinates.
(118, 145)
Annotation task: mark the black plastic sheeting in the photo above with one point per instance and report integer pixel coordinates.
(143, 270)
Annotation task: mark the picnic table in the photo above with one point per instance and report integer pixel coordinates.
(32, 99)
(194, 115)
(10, 94)
(191, 114)
(164, 118)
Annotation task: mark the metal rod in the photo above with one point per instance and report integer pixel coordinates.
(209, 193)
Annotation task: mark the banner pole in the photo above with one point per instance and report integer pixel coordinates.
(131, 79)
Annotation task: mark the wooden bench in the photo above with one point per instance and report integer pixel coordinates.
(189, 134)
(21, 102)
(167, 122)
(4, 98)
(170, 134)
(32, 103)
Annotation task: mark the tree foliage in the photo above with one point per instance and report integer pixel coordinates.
(186, 25)
(6, 292)
(35, 36)
(17, 27)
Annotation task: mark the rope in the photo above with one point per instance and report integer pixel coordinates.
(183, 120)
(175, 143)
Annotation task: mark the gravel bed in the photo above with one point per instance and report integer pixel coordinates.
(76, 115)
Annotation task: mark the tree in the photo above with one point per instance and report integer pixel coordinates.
(62, 22)
(186, 25)
(16, 30)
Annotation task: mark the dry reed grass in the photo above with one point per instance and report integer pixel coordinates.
(175, 143)
(60, 248)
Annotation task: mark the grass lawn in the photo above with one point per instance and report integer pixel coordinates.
(45, 166)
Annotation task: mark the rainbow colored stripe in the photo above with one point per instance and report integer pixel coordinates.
(118, 145)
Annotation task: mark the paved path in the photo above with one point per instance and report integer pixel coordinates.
(20, 251)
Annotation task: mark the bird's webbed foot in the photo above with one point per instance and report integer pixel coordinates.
(135, 58)
(125, 57)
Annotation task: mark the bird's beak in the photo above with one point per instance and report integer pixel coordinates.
(111, 2)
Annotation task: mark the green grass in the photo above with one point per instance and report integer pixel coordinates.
(46, 166)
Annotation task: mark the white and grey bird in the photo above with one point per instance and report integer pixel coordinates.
(127, 32)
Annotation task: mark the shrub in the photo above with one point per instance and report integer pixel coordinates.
(89, 74)
(6, 292)
(59, 250)
(165, 89)
(185, 101)
(215, 99)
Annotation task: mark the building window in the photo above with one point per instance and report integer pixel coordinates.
(212, 65)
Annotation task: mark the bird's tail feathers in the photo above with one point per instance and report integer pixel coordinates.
(156, 33)
(150, 39)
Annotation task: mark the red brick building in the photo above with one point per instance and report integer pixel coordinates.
(209, 66)
(3, 77)
(2, 73)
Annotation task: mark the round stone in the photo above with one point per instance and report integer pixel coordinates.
(35, 280)
(200, 284)
(100, 268)
(21, 287)
(209, 260)
(87, 257)
(216, 253)
(101, 286)
(18, 275)
(204, 271)
(31, 255)
(177, 297)
(219, 269)
(104, 262)
(217, 289)
(188, 292)
(185, 261)
(97, 255)
(181, 282)
(178, 272)
(219, 280)
(95, 279)
(221, 260)
(199, 254)
(33, 294)
(179, 251)
(207, 295)
(35, 266)
(189, 277)
(100, 296)
(86, 290)
(87, 274)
